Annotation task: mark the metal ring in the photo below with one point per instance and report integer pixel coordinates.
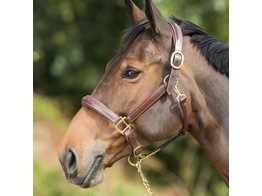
(172, 59)
(130, 162)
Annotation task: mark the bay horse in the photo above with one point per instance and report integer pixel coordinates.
(167, 79)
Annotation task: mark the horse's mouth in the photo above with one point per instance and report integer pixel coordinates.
(92, 176)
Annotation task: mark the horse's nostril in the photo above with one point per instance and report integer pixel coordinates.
(69, 161)
(72, 162)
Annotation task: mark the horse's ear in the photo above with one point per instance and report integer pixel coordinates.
(135, 14)
(155, 18)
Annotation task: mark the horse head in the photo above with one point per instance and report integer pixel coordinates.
(92, 140)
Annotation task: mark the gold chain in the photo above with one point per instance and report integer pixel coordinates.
(145, 182)
(139, 169)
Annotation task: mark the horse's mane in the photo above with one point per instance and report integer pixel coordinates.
(216, 53)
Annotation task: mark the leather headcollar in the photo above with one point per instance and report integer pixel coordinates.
(123, 124)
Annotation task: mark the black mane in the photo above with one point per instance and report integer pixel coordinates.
(216, 53)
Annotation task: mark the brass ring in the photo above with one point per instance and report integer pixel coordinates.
(130, 162)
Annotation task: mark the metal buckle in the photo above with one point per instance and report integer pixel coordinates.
(172, 59)
(137, 154)
(122, 121)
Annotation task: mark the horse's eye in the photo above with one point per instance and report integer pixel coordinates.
(130, 74)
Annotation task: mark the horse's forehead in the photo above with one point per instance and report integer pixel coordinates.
(143, 51)
(143, 45)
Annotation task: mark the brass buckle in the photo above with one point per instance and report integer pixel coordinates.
(122, 121)
(172, 59)
(134, 152)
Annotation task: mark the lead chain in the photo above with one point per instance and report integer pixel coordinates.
(145, 182)
(141, 157)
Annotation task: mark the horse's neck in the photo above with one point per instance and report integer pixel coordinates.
(209, 109)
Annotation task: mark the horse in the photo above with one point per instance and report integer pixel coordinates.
(167, 79)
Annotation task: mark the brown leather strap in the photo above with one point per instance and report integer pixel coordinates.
(179, 36)
(177, 39)
(139, 110)
(135, 147)
(99, 107)
(185, 113)
(176, 58)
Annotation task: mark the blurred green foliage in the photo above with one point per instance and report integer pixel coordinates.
(74, 40)
(45, 109)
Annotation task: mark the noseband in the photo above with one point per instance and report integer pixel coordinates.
(124, 124)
